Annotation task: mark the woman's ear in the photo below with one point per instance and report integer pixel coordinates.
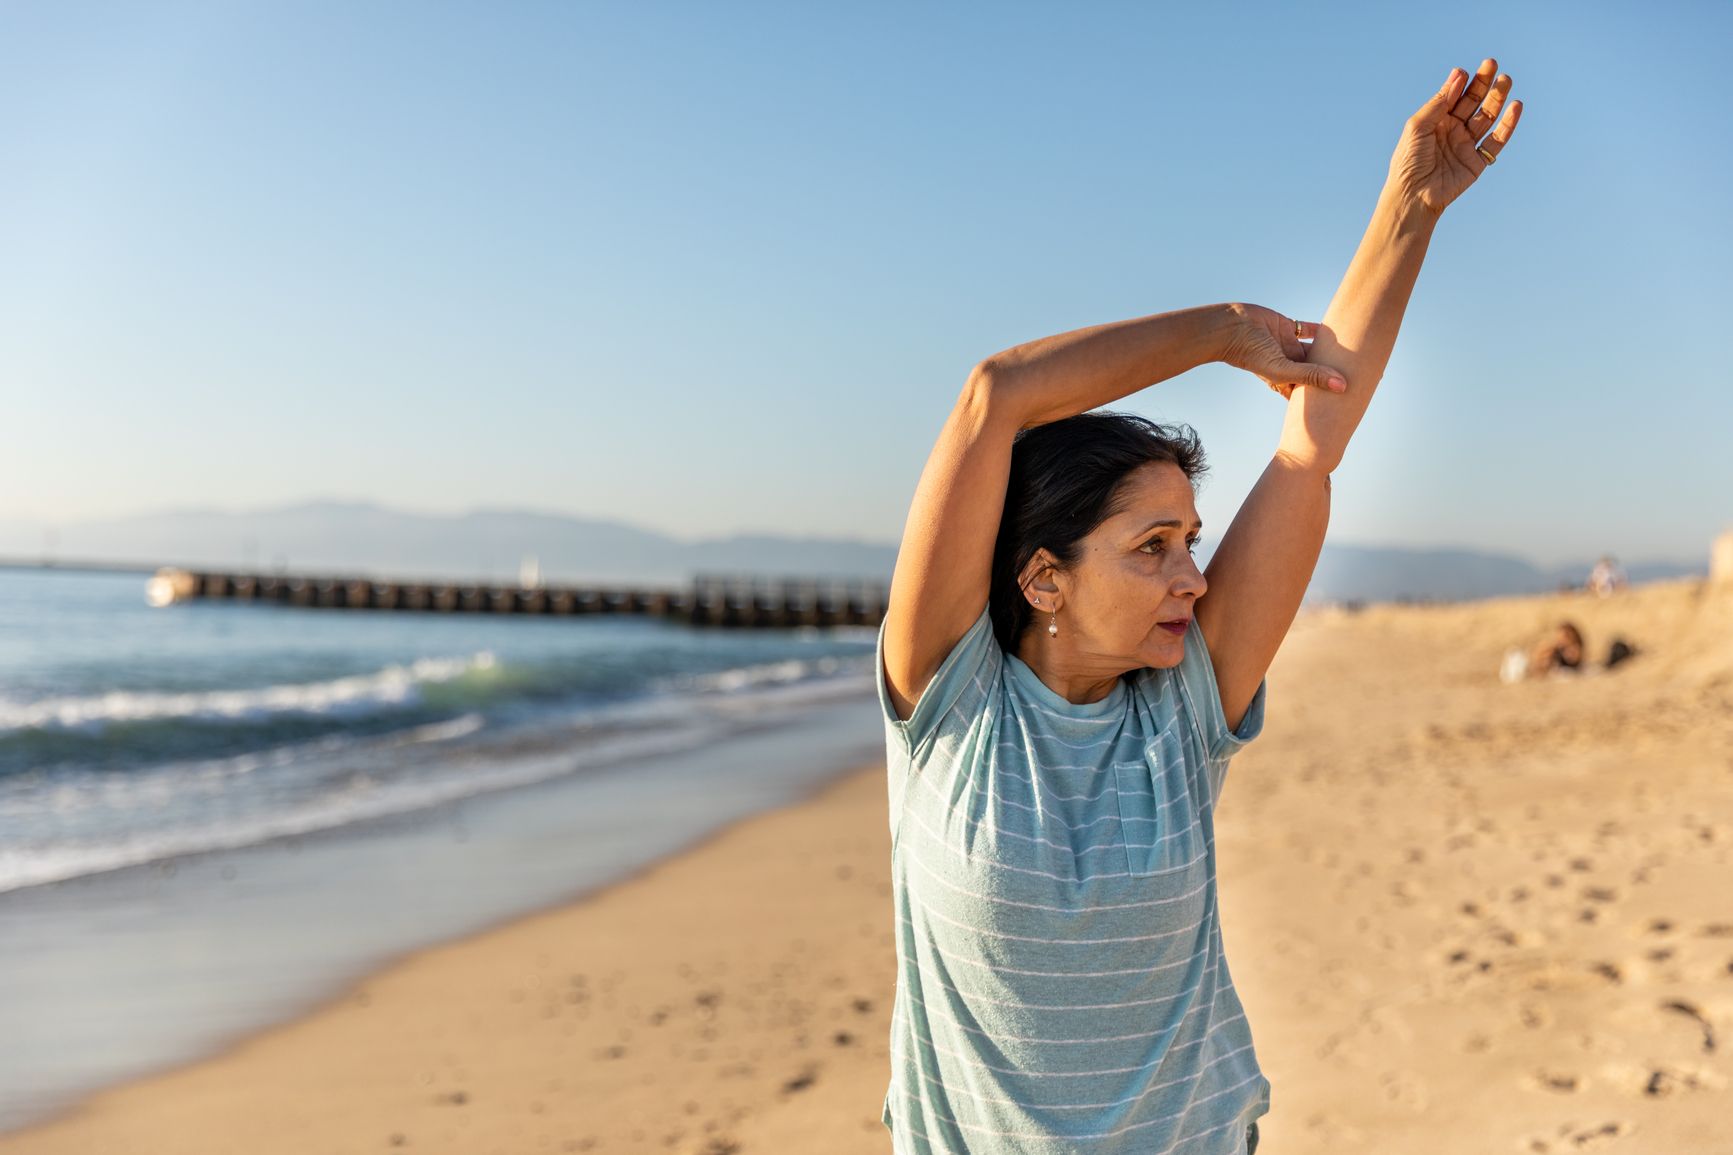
(1038, 582)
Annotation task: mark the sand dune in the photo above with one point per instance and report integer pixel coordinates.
(1464, 916)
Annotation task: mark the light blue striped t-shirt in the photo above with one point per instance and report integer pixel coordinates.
(1060, 979)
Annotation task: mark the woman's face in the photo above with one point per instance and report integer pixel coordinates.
(1127, 602)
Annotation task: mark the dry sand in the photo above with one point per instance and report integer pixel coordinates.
(1463, 916)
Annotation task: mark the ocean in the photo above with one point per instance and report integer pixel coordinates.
(213, 815)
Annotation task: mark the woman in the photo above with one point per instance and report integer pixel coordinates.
(1063, 690)
(1561, 650)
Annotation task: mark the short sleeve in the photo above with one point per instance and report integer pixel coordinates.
(963, 681)
(1204, 698)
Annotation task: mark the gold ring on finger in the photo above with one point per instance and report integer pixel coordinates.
(1299, 330)
(1488, 157)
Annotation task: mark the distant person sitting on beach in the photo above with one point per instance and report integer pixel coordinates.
(1606, 578)
(1562, 651)
(1054, 787)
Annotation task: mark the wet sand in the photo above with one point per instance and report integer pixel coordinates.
(1463, 916)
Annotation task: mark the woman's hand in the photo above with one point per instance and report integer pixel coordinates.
(1264, 342)
(1436, 158)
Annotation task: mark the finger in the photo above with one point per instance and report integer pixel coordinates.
(1442, 99)
(1290, 335)
(1472, 156)
(1325, 378)
(1502, 130)
(1477, 89)
(1301, 375)
(1488, 110)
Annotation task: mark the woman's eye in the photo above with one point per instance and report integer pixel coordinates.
(1157, 545)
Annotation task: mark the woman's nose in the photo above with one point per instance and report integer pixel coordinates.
(1193, 581)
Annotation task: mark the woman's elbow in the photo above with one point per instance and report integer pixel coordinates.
(989, 392)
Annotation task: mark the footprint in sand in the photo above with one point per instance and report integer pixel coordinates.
(1556, 1081)
(718, 1145)
(1691, 1011)
(802, 1081)
(1573, 1138)
(1404, 1089)
(1661, 1082)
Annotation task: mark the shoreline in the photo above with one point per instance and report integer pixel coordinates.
(117, 975)
(120, 1116)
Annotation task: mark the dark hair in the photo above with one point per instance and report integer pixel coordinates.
(1067, 478)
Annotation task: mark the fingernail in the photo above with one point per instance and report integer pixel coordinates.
(1338, 384)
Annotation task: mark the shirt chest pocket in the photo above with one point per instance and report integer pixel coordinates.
(1163, 838)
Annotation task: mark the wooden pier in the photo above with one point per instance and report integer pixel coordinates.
(711, 600)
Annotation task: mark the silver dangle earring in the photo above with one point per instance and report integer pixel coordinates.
(1053, 625)
(1052, 621)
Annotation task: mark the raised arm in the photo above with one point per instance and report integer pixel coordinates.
(943, 575)
(1258, 575)
(943, 572)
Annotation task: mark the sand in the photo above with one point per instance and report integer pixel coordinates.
(1463, 916)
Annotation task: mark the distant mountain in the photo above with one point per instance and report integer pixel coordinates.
(1384, 573)
(344, 537)
(484, 544)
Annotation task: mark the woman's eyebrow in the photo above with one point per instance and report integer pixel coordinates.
(1169, 523)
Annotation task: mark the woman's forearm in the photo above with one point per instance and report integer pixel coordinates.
(1052, 378)
(1358, 331)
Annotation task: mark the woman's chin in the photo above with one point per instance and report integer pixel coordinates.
(1167, 655)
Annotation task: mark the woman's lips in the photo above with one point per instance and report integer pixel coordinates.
(1176, 627)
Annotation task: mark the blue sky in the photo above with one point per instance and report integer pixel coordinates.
(720, 267)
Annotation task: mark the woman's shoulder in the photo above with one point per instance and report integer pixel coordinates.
(1188, 693)
(962, 686)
